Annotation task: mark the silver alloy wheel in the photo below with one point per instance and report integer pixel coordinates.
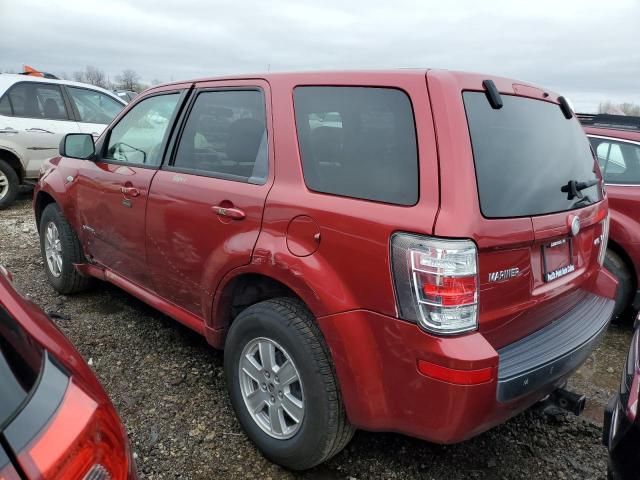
(271, 388)
(53, 249)
(4, 185)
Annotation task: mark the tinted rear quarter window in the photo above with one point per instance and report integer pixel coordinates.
(524, 153)
(358, 142)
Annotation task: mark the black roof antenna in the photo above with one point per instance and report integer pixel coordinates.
(493, 95)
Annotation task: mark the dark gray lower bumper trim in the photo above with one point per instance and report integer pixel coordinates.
(553, 352)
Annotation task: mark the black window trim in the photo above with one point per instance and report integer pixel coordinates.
(616, 140)
(67, 104)
(357, 85)
(172, 149)
(74, 110)
(103, 145)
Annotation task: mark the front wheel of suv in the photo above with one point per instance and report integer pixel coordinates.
(60, 249)
(9, 184)
(282, 384)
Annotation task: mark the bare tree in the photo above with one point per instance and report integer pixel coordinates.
(630, 109)
(79, 77)
(128, 80)
(619, 109)
(95, 76)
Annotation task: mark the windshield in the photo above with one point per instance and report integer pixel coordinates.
(530, 160)
(20, 364)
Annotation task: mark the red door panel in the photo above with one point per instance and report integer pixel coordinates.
(113, 199)
(190, 244)
(200, 223)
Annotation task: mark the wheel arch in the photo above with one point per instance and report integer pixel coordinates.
(626, 258)
(13, 160)
(245, 287)
(40, 202)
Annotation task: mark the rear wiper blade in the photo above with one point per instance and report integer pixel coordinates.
(573, 188)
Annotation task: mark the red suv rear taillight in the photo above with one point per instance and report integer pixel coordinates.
(84, 440)
(604, 239)
(436, 282)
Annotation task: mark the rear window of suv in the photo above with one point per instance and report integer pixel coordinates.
(358, 142)
(524, 154)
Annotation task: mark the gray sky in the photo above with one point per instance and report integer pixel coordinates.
(587, 50)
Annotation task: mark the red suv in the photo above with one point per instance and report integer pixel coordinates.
(616, 141)
(414, 251)
(56, 421)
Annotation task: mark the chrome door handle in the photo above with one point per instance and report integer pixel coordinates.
(230, 212)
(130, 191)
(8, 130)
(36, 129)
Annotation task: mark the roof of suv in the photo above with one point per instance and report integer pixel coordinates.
(617, 126)
(463, 79)
(8, 79)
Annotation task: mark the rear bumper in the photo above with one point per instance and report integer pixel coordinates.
(376, 361)
(554, 351)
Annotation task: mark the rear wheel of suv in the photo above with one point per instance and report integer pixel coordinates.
(9, 184)
(617, 266)
(60, 249)
(283, 386)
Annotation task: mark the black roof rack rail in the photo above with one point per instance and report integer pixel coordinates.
(621, 122)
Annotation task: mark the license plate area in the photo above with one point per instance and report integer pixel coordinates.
(557, 259)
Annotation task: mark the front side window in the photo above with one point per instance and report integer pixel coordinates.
(358, 142)
(93, 106)
(35, 100)
(139, 135)
(226, 136)
(619, 161)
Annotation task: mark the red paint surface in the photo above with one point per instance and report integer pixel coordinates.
(85, 411)
(190, 257)
(624, 206)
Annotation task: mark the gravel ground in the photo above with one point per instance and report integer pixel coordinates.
(169, 389)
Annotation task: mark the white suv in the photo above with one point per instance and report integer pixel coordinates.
(35, 113)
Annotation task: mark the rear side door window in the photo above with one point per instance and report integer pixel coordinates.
(94, 106)
(225, 136)
(138, 137)
(358, 142)
(35, 100)
(619, 161)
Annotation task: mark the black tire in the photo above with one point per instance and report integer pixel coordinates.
(616, 265)
(69, 280)
(324, 429)
(14, 184)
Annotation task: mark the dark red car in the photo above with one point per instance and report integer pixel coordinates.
(56, 422)
(413, 251)
(616, 141)
(621, 421)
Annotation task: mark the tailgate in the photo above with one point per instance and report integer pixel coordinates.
(525, 181)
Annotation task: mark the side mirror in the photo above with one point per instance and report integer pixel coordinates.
(78, 145)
